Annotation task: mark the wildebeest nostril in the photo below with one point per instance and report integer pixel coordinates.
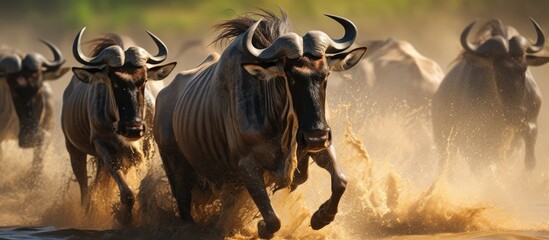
(135, 129)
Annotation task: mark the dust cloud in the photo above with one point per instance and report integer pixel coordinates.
(396, 186)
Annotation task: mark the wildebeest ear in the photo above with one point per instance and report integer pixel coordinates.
(160, 72)
(86, 75)
(345, 61)
(262, 71)
(536, 61)
(54, 75)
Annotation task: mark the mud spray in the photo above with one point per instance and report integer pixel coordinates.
(396, 188)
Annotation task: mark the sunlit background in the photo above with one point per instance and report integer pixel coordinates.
(433, 27)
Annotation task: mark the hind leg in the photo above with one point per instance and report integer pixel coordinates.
(182, 180)
(78, 164)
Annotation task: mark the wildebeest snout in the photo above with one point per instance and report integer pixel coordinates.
(315, 140)
(133, 129)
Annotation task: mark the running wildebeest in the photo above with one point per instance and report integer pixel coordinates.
(257, 108)
(392, 74)
(388, 95)
(490, 100)
(107, 110)
(26, 101)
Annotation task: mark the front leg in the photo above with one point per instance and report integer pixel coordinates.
(39, 152)
(327, 211)
(252, 175)
(530, 133)
(112, 160)
(46, 128)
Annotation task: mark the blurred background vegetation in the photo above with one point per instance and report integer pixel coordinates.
(432, 26)
(188, 15)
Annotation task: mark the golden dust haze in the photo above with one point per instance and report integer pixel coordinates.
(396, 188)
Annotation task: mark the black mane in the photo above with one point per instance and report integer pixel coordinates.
(270, 28)
(494, 27)
(106, 41)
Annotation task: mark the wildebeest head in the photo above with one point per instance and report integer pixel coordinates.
(125, 73)
(507, 56)
(305, 63)
(25, 76)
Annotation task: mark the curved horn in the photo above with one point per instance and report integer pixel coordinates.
(162, 50)
(339, 45)
(538, 46)
(247, 45)
(77, 52)
(57, 56)
(289, 45)
(112, 55)
(467, 46)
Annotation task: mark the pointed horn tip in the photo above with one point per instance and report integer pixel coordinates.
(536, 24)
(332, 15)
(258, 22)
(338, 18)
(473, 22)
(154, 37)
(470, 25)
(43, 40)
(150, 33)
(80, 33)
(254, 26)
(50, 44)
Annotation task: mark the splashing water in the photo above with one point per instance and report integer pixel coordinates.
(395, 189)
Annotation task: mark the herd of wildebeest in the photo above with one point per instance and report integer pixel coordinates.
(260, 106)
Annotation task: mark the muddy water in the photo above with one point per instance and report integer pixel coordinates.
(396, 190)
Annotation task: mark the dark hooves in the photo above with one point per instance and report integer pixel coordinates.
(263, 231)
(124, 216)
(320, 220)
